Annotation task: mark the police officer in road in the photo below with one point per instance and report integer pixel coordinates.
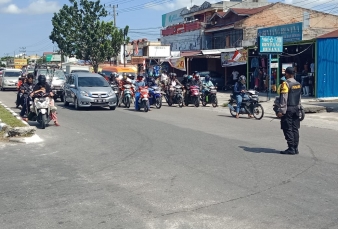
(290, 99)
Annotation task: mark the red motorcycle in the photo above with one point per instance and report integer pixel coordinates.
(143, 101)
(193, 96)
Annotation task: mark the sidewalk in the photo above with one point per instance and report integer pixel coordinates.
(310, 105)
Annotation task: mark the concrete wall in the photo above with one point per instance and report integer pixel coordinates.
(245, 4)
(280, 14)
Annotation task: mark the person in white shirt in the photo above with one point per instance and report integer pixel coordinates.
(235, 76)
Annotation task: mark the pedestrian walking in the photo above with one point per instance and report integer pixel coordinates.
(290, 99)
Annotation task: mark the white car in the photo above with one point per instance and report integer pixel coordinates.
(9, 79)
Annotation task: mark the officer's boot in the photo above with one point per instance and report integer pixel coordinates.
(296, 149)
(290, 150)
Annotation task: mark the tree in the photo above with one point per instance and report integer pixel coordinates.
(78, 31)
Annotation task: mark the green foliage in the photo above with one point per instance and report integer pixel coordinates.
(78, 31)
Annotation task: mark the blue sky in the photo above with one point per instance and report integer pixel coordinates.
(27, 23)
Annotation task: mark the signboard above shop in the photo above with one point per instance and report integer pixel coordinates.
(158, 51)
(269, 44)
(53, 58)
(172, 18)
(289, 32)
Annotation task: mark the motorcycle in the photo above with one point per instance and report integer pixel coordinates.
(40, 111)
(155, 96)
(276, 106)
(209, 96)
(115, 88)
(143, 101)
(248, 106)
(127, 95)
(177, 97)
(193, 96)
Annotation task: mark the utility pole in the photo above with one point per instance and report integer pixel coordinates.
(114, 7)
(23, 50)
(124, 48)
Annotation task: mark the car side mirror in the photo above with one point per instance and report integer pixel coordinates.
(216, 84)
(72, 86)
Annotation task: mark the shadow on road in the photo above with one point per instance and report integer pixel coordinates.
(259, 150)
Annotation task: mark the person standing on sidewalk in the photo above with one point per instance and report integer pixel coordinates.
(290, 99)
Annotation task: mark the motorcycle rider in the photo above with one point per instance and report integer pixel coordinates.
(196, 80)
(139, 83)
(124, 81)
(206, 84)
(26, 89)
(239, 93)
(42, 87)
(283, 79)
(290, 101)
(173, 81)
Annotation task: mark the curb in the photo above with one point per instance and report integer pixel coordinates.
(24, 139)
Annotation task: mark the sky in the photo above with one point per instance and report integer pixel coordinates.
(27, 23)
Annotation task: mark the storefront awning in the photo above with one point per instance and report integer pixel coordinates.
(190, 53)
(219, 51)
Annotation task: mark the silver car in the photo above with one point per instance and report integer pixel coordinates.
(9, 79)
(88, 90)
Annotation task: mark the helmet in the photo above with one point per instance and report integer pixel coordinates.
(185, 76)
(42, 79)
(242, 78)
(114, 74)
(195, 72)
(139, 77)
(283, 79)
(197, 76)
(124, 77)
(164, 72)
(189, 77)
(207, 78)
(173, 75)
(130, 76)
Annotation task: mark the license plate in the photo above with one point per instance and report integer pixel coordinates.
(100, 100)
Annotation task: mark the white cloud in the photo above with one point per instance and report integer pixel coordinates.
(4, 1)
(35, 7)
(11, 9)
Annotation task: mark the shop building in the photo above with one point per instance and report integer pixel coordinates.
(327, 65)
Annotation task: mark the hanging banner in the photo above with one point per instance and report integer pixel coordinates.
(239, 57)
(178, 63)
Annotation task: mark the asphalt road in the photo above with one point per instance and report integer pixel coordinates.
(168, 168)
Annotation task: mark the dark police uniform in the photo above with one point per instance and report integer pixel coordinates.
(290, 99)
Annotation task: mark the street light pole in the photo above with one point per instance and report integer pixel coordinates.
(124, 49)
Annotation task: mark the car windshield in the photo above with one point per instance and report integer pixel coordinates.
(45, 72)
(106, 73)
(12, 74)
(59, 74)
(92, 82)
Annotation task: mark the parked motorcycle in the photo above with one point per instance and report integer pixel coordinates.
(248, 106)
(276, 106)
(40, 111)
(177, 97)
(209, 96)
(193, 96)
(155, 96)
(127, 95)
(143, 101)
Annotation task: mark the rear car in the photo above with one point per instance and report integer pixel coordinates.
(9, 79)
(57, 84)
(88, 90)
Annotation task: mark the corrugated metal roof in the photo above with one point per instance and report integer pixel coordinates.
(332, 34)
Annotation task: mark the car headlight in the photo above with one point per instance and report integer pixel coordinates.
(84, 93)
(111, 93)
(6, 81)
